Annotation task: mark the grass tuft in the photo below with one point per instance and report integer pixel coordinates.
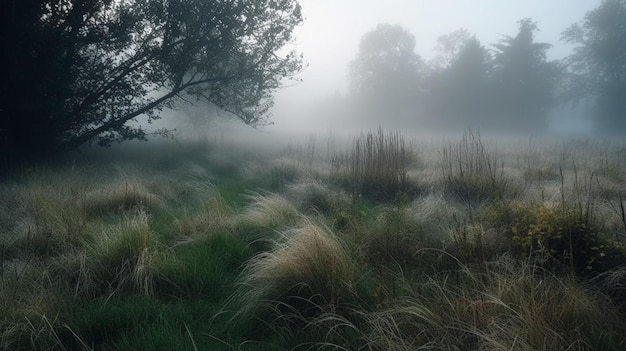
(376, 167)
(263, 217)
(308, 271)
(126, 256)
(471, 173)
(120, 197)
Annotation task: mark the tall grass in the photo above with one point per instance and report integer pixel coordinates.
(507, 304)
(129, 257)
(308, 271)
(376, 166)
(124, 257)
(472, 173)
(45, 220)
(265, 211)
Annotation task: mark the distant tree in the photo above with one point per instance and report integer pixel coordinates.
(77, 71)
(461, 86)
(448, 47)
(384, 76)
(597, 67)
(525, 81)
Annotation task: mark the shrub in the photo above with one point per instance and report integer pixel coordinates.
(567, 232)
(570, 237)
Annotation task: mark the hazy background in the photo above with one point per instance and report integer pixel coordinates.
(330, 35)
(329, 40)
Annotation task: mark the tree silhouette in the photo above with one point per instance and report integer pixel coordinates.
(460, 88)
(448, 47)
(524, 80)
(77, 71)
(597, 67)
(384, 76)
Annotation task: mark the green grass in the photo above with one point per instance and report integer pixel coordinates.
(205, 247)
(205, 269)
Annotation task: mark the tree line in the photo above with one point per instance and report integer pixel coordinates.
(508, 85)
(82, 71)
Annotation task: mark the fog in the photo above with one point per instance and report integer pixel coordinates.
(446, 97)
(134, 70)
(330, 35)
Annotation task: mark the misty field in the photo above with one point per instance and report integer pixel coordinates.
(375, 242)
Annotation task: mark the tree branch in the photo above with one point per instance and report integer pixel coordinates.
(120, 121)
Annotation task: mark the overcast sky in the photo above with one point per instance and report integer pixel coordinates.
(332, 29)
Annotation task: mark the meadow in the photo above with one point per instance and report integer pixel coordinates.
(376, 242)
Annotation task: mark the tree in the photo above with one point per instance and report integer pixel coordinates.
(460, 86)
(385, 73)
(79, 71)
(597, 66)
(448, 47)
(525, 81)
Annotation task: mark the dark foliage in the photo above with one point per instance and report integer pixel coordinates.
(460, 91)
(79, 71)
(597, 68)
(524, 80)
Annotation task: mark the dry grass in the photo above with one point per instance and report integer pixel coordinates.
(267, 210)
(45, 220)
(440, 270)
(308, 268)
(470, 172)
(124, 256)
(212, 215)
(313, 195)
(120, 196)
(505, 305)
(376, 166)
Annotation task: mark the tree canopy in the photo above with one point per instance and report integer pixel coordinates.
(512, 86)
(597, 66)
(78, 71)
(460, 85)
(466, 85)
(524, 79)
(386, 71)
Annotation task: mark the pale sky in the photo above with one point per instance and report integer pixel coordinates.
(332, 29)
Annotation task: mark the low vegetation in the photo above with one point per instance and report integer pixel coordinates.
(379, 246)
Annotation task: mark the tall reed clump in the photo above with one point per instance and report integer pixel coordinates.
(376, 166)
(471, 173)
(308, 273)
